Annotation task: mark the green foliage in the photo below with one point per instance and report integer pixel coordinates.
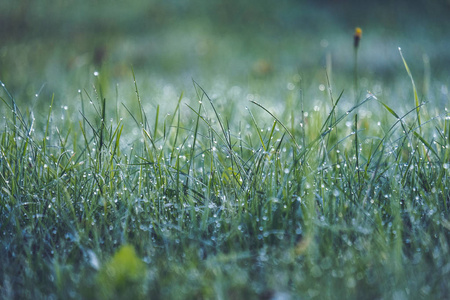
(122, 276)
(340, 207)
(204, 196)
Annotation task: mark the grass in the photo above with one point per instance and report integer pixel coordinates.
(268, 177)
(121, 201)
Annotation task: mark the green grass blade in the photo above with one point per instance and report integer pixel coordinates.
(416, 98)
(390, 110)
(278, 120)
(258, 131)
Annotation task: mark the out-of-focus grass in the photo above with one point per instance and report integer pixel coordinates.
(58, 45)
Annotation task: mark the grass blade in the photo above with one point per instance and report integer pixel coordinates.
(416, 98)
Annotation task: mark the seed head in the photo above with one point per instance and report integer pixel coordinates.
(357, 36)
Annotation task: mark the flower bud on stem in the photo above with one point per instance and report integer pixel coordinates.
(356, 38)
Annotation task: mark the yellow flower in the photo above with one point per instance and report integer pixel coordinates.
(357, 36)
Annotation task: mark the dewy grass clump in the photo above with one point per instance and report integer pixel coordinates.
(322, 204)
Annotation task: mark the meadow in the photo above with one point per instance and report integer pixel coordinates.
(223, 164)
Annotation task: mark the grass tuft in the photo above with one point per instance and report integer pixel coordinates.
(203, 202)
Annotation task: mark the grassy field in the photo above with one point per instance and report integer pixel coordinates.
(236, 161)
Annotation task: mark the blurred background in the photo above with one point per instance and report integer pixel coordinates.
(54, 47)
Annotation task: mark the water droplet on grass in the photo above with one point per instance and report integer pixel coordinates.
(93, 260)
